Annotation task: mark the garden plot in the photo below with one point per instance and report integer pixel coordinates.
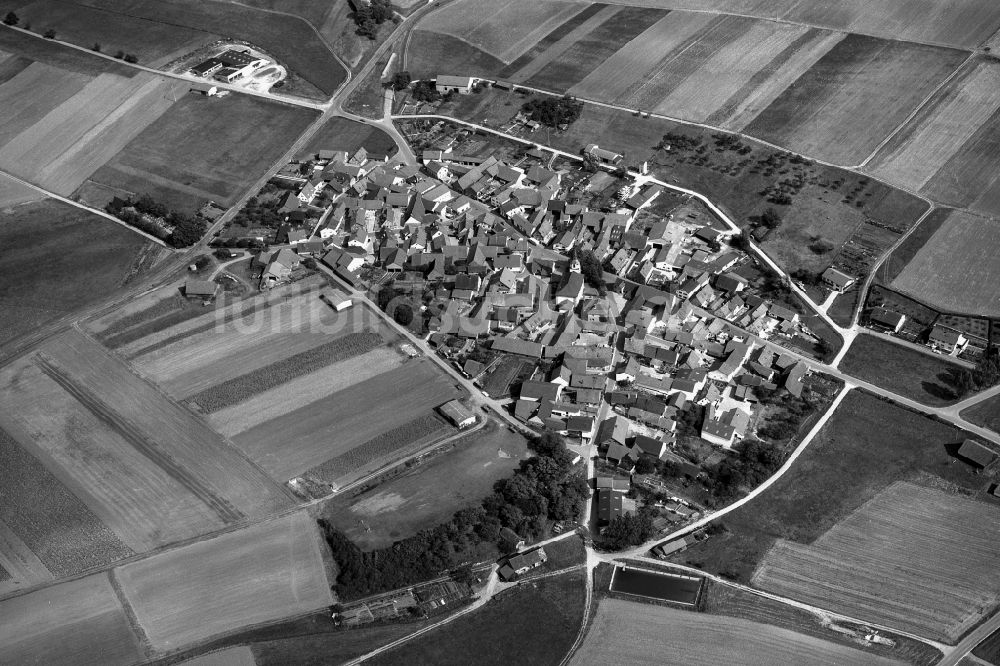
(915, 558)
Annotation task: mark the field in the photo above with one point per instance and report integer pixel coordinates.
(13, 193)
(916, 558)
(169, 27)
(430, 492)
(635, 633)
(867, 445)
(989, 649)
(147, 468)
(342, 134)
(902, 255)
(332, 425)
(78, 622)
(963, 24)
(924, 377)
(58, 259)
(533, 624)
(241, 655)
(948, 150)
(853, 97)
(202, 148)
(985, 413)
(427, 51)
(958, 268)
(257, 574)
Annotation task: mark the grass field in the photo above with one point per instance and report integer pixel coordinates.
(635, 633)
(853, 97)
(914, 557)
(989, 649)
(240, 655)
(925, 378)
(258, 574)
(902, 255)
(58, 259)
(77, 622)
(957, 269)
(428, 50)
(533, 624)
(56, 55)
(332, 425)
(721, 599)
(985, 413)
(945, 150)
(431, 492)
(13, 194)
(168, 27)
(867, 445)
(204, 148)
(342, 134)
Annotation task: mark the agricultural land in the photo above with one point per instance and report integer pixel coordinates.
(986, 414)
(636, 633)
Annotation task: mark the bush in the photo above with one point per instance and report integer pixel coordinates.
(131, 58)
(11, 19)
(49, 34)
(425, 91)
(96, 47)
(119, 54)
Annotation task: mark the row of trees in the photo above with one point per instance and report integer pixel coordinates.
(153, 217)
(542, 490)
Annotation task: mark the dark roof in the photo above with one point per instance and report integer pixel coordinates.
(200, 288)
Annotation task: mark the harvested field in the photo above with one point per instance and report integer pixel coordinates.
(426, 51)
(902, 255)
(257, 574)
(20, 567)
(86, 259)
(573, 65)
(162, 430)
(343, 134)
(241, 388)
(77, 622)
(67, 144)
(382, 448)
(563, 38)
(47, 518)
(431, 491)
(204, 148)
(33, 93)
(504, 30)
(924, 377)
(853, 97)
(915, 558)
(533, 624)
(938, 133)
(299, 440)
(636, 633)
(558, 33)
(306, 388)
(957, 270)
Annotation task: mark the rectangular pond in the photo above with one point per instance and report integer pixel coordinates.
(654, 585)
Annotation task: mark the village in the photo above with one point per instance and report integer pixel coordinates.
(588, 301)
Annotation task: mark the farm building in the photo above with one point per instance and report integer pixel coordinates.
(976, 453)
(675, 546)
(206, 89)
(947, 340)
(836, 280)
(457, 413)
(207, 68)
(612, 504)
(523, 563)
(460, 84)
(887, 319)
(200, 289)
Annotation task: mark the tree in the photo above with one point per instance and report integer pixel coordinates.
(645, 465)
(401, 80)
(770, 218)
(425, 91)
(119, 54)
(403, 314)
(131, 58)
(593, 272)
(553, 112)
(11, 19)
(188, 230)
(96, 47)
(381, 11)
(50, 34)
(964, 382)
(368, 29)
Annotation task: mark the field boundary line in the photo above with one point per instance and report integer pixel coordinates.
(131, 617)
(916, 110)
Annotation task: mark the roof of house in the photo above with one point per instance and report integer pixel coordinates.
(450, 80)
(535, 390)
(886, 317)
(976, 452)
(944, 335)
(838, 278)
(517, 346)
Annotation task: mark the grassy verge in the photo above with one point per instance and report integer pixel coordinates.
(989, 649)
(925, 378)
(532, 623)
(866, 445)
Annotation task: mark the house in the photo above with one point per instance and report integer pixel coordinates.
(535, 390)
(523, 563)
(947, 340)
(206, 89)
(976, 453)
(675, 546)
(836, 280)
(613, 483)
(279, 267)
(458, 414)
(603, 156)
(887, 319)
(200, 289)
(572, 291)
(649, 446)
(460, 84)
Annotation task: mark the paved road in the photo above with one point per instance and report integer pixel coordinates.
(967, 644)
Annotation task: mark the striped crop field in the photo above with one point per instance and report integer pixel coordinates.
(627, 632)
(853, 97)
(914, 558)
(958, 268)
(949, 151)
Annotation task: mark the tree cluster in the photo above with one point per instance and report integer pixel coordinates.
(985, 375)
(151, 216)
(629, 529)
(400, 81)
(679, 142)
(370, 16)
(552, 111)
(425, 91)
(543, 489)
(257, 213)
(754, 462)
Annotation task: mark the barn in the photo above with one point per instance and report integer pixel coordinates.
(457, 413)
